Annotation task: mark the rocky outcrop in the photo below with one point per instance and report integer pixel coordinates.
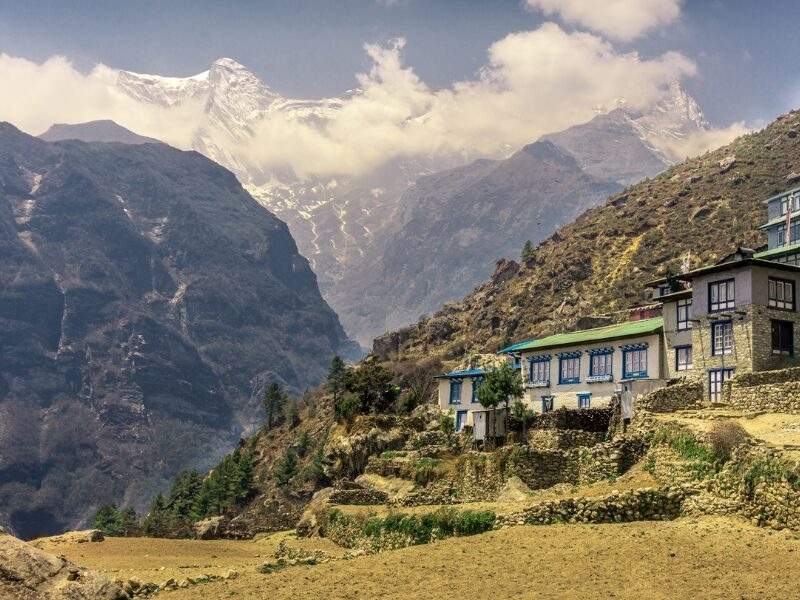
(210, 528)
(27, 573)
(145, 301)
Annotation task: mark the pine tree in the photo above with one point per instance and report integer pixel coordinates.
(336, 378)
(274, 399)
(527, 252)
(286, 468)
(290, 412)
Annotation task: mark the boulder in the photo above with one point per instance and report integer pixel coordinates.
(210, 528)
(72, 537)
(314, 515)
(28, 573)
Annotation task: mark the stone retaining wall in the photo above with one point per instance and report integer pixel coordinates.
(591, 419)
(366, 496)
(563, 439)
(646, 504)
(771, 391)
(679, 396)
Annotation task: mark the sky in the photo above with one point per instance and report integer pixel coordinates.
(746, 51)
(435, 77)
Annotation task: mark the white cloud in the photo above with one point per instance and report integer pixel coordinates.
(534, 82)
(34, 96)
(619, 19)
(701, 141)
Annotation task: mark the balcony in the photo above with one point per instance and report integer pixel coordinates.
(537, 384)
(599, 378)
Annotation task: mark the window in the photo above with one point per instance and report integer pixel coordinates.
(721, 295)
(584, 400)
(600, 365)
(683, 314)
(783, 338)
(794, 201)
(476, 383)
(721, 338)
(539, 370)
(683, 358)
(569, 369)
(634, 363)
(455, 391)
(461, 420)
(781, 293)
(716, 377)
(547, 403)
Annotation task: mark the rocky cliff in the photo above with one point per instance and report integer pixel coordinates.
(145, 299)
(693, 213)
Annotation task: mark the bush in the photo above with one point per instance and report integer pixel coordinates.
(472, 522)
(704, 460)
(347, 408)
(286, 468)
(724, 437)
(768, 470)
(427, 470)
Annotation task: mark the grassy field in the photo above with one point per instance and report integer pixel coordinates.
(688, 558)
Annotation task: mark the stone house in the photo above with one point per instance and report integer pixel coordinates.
(740, 314)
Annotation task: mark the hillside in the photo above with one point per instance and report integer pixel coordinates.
(145, 300)
(696, 211)
(95, 131)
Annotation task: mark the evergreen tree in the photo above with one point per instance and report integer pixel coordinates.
(303, 442)
(527, 252)
(274, 399)
(183, 495)
(372, 383)
(286, 468)
(336, 378)
(290, 412)
(157, 522)
(108, 520)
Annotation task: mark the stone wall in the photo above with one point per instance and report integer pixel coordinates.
(563, 439)
(772, 391)
(678, 396)
(591, 419)
(362, 496)
(646, 504)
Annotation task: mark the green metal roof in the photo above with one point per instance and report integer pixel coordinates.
(597, 334)
(777, 251)
(514, 347)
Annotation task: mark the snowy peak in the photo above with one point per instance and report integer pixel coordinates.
(164, 91)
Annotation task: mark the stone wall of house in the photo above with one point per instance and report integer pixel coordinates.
(631, 505)
(763, 358)
(772, 391)
(678, 396)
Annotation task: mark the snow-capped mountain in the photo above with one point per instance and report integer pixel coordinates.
(339, 222)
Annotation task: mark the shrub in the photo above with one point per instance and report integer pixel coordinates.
(724, 437)
(285, 468)
(704, 460)
(472, 522)
(347, 408)
(768, 470)
(427, 470)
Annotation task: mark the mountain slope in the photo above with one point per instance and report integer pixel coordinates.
(145, 299)
(453, 224)
(695, 212)
(94, 131)
(347, 226)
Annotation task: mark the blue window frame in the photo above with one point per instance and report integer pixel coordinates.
(716, 379)
(539, 369)
(547, 403)
(721, 338)
(569, 368)
(461, 419)
(721, 295)
(584, 400)
(601, 363)
(476, 383)
(634, 361)
(455, 391)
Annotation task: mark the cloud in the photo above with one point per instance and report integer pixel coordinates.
(533, 83)
(701, 141)
(619, 19)
(34, 96)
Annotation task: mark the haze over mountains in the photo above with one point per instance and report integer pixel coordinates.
(145, 301)
(357, 231)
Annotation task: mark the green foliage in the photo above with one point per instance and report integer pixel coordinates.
(389, 454)
(447, 423)
(226, 486)
(336, 378)
(286, 468)
(273, 402)
(421, 529)
(527, 252)
(768, 470)
(303, 443)
(704, 461)
(290, 412)
(347, 408)
(500, 386)
(115, 522)
(427, 470)
(371, 382)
